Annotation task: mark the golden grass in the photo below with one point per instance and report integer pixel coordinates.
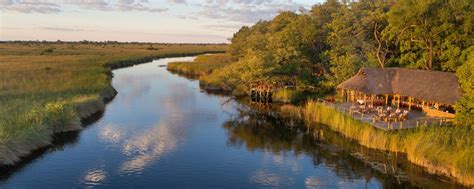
(285, 95)
(202, 65)
(47, 87)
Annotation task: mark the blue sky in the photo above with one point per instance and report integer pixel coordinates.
(198, 21)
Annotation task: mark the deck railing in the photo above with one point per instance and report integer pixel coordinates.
(369, 118)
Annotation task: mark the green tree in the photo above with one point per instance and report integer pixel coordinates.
(431, 33)
(465, 107)
(322, 15)
(348, 42)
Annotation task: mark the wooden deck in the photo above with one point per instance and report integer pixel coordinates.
(261, 92)
(415, 118)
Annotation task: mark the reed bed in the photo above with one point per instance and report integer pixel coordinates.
(202, 65)
(46, 88)
(445, 151)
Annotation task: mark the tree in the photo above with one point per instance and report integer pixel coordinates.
(348, 43)
(322, 15)
(429, 33)
(373, 23)
(465, 107)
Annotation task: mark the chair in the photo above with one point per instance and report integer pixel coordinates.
(379, 110)
(398, 111)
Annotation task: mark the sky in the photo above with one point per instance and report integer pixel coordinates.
(170, 21)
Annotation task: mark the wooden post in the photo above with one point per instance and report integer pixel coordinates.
(373, 97)
(386, 100)
(398, 104)
(409, 102)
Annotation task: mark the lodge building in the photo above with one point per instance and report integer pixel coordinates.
(432, 92)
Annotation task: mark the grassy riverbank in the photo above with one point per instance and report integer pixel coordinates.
(441, 150)
(202, 65)
(47, 88)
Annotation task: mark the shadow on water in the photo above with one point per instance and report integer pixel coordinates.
(263, 131)
(60, 142)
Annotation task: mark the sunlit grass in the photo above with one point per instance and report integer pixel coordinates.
(202, 65)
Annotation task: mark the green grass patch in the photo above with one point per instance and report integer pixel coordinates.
(202, 65)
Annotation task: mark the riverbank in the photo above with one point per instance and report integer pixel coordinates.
(202, 65)
(44, 94)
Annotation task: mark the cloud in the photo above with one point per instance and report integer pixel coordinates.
(224, 2)
(177, 1)
(45, 6)
(246, 11)
(30, 6)
(118, 5)
(231, 27)
(63, 29)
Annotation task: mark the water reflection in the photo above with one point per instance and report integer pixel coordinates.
(95, 177)
(256, 131)
(112, 133)
(148, 146)
(265, 178)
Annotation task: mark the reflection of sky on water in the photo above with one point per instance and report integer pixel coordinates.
(112, 133)
(265, 178)
(95, 177)
(149, 146)
(161, 131)
(145, 144)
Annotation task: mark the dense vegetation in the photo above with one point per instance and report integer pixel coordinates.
(46, 87)
(319, 48)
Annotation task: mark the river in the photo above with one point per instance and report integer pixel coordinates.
(162, 130)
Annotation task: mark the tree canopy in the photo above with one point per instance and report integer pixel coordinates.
(319, 48)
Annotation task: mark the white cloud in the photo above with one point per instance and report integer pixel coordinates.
(29, 6)
(246, 11)
(47, 6)
(177, 1)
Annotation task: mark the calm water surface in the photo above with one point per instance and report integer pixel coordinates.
(162, 131)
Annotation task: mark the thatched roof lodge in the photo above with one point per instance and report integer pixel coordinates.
(424, 89)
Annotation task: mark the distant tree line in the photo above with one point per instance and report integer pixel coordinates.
(100, 42)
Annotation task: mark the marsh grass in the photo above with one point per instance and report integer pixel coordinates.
(47, 88)
(285, 95)
(202, 65)
(441, 150)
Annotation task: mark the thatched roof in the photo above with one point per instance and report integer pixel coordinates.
(442, 87)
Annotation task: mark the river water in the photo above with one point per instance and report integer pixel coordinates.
(161, 130)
